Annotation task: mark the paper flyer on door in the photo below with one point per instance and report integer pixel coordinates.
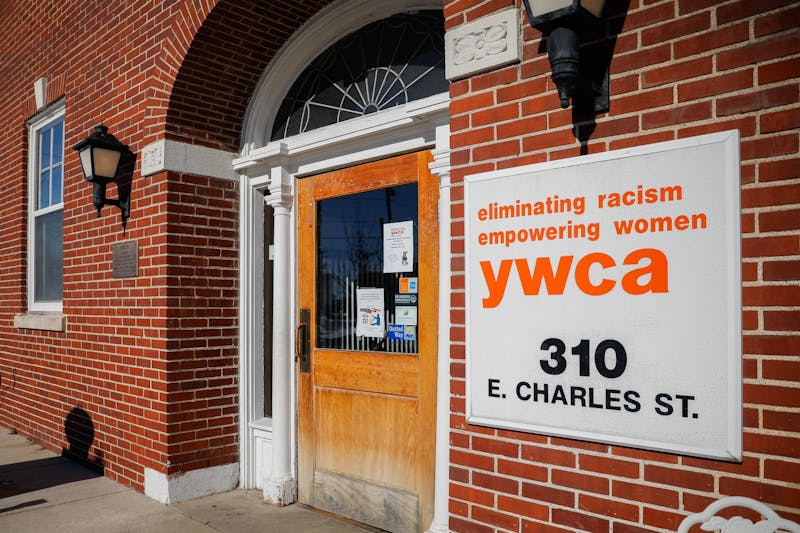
(398, 247)
(370, 321)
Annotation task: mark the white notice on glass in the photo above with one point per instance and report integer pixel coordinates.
(398, 247)
(405, 315)
(370, 312)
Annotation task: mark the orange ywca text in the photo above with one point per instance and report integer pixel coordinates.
(647, 278)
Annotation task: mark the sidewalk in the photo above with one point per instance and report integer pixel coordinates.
(41, 492)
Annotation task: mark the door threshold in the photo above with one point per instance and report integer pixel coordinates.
(365, 527)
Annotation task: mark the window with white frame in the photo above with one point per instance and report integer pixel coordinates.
(46, 210)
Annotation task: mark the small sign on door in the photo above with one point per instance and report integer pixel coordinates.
(408, 286)
(405, 314)
(370, 321)
(398, 247)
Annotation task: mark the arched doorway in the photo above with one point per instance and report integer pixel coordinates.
(280, 151)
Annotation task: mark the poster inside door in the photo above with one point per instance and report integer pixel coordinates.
(398, 247)
(369, 301)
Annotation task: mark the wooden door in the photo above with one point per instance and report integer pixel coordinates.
(366, 401)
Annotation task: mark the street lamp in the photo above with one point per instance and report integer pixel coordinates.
(561, 21)
(100, 155)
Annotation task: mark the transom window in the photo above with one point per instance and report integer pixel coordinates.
(385, 64)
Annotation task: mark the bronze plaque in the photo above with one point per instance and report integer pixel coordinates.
(125, 260)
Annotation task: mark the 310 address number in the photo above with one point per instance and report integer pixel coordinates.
(610, 358)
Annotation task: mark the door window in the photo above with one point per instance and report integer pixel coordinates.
(354, 271)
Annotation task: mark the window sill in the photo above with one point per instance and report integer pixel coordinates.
(43, 321)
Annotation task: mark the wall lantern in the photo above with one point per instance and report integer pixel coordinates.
(562, 21)
(100, 155)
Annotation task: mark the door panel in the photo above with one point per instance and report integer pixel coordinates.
(390, 374)
(351, 430)
(366, 405)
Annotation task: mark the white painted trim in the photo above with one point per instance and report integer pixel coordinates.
(163, 155)
(251, 341)
(190, 485)
(54, 113)
(262, 436)
(396, 130)
(281, 486)
(441, 167)
(330, 24)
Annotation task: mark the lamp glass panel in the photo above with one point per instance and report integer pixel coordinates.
(542, 7)
(595, 7)
(105, 162)
(86, 161)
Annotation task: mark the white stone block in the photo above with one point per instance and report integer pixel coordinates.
(482, 44)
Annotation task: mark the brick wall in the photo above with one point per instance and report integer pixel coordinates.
(223, 64)
(151, 360)
(680, 68)
(201, 314)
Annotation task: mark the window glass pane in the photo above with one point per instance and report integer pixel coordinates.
(385, 64)
(350, 256)
(44, 189)
(56, 184)
(58, 141)
(44, 148)
(48, 257)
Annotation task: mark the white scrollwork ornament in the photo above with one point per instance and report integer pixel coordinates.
(737, 524)
(709, 521)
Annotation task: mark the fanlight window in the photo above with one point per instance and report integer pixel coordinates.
(385, 64)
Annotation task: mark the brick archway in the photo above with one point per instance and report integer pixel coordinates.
(227, 48)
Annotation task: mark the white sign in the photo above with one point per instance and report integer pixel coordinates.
(603, 297)
(406, 315)
(370, 321)
(398, 247)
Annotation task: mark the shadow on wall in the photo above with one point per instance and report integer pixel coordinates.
(79, 431)
(595, 62)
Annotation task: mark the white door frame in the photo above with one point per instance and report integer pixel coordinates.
(268, 171)
(269, 174)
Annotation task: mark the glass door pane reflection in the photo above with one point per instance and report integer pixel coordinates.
(350, 256)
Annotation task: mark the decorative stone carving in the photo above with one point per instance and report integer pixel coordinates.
(40, 93)
(153, 158)
(483, 44)
(477, 45)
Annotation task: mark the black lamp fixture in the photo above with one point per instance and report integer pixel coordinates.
(100, 155)
(562, 21)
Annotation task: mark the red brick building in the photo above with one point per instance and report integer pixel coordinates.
(274, 147)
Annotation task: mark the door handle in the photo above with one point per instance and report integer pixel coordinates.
(302, 341)
(299, 349)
